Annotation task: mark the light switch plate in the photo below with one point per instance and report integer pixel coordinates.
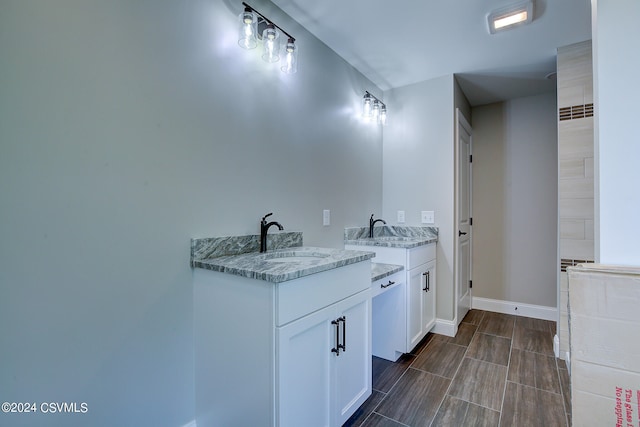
(400, 217)
(326, 217)
(427, 217)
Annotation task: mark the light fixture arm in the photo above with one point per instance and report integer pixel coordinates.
(269, 21)
(374, 97)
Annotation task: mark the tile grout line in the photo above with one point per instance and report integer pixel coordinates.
(506, 379)
(446, 393)
(373, 411)
(566, 414)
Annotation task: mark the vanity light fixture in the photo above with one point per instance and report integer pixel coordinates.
(510, 16)
(255, 26)
(373, 109)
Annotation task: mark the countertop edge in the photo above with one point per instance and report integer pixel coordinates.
(391, 244)
(292, 272)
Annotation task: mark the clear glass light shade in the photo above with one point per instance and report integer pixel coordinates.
(290, 53)
(271, 41)
(367, 102)
(248, 28)
(375, 110)
(383, 115)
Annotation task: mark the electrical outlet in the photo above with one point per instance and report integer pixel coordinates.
(427, 217)
(400, 217)
(326, 217)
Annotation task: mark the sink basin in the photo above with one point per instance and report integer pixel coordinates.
(295, 256)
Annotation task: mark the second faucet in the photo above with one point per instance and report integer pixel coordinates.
(264, 227)
(371, 224)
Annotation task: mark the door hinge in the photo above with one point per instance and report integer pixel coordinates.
(470, 158)
(470, 284)
(470, 221)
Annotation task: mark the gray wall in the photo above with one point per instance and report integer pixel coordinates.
(127, 128)
(515, 200)
(418, 168)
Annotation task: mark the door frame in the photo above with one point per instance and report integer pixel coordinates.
(461, 121)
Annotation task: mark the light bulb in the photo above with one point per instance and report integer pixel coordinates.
(248, 29)
(383, 115)
(270, 37)
(375, 110)
(290, 65)
(366, 107)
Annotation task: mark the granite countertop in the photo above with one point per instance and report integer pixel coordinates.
(380, 270)
(391, 236)
(281, 265)
(392, 242)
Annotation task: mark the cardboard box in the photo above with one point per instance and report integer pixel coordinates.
(604, 319)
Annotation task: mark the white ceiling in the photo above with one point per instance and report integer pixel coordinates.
(398, 42)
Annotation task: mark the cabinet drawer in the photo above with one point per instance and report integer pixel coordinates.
(387, 283)
(420, 255)
(299, 297)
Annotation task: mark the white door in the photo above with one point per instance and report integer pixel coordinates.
(415, 307)
(463, 215)
(305, 370)
(353, 363)
(429, 297)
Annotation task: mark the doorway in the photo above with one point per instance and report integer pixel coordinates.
(463, 212)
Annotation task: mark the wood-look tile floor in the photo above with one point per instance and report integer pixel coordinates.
(499, 370)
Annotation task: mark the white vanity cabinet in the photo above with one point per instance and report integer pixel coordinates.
(296, 353)
(420, 290)
(421, 308)
(323, 372)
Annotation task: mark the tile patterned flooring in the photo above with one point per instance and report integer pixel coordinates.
(499, 370)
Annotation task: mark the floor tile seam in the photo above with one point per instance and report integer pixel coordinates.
(380, 403)
(459, 345)
(472, 403)
(493, 335)
(379, 391)
(536, 388)
(440, 406)
(446, 393)
(431, 373)
(536, 352)
(387, 418)
(415, 356)
(394, 384)
(506, 379)
(491, 363)
(564, 405)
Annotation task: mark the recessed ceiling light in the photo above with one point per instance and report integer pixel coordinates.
(510, 16)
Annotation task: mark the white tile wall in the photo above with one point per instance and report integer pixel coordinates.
(575, 174)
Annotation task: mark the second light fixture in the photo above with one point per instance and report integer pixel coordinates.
(255, 26)
(373, 110)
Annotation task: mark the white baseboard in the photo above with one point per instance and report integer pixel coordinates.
(446, 327)
(519, 309)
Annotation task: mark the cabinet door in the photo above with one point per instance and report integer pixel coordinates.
(305, 370)
(429, 298)
(353, 364)
(415, 306)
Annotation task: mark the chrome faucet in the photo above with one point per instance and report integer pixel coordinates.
(264, 227)
(372, 223)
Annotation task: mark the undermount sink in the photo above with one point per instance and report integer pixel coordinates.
(295, 256)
